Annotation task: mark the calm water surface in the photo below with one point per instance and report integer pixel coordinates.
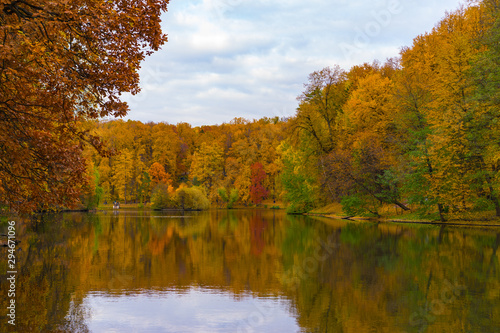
(250, 271)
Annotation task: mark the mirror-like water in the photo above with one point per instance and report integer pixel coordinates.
(250, 271)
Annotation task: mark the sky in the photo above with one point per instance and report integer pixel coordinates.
(251, 58)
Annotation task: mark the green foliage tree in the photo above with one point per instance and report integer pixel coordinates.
(321, 106)
(144, 192)
(92, 198)
(298, 180)
(484, 125)
(160, 197)
(230, 199)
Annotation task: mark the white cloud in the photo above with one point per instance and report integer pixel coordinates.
(243, 58)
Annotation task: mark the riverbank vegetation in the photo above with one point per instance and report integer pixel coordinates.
(419, 134)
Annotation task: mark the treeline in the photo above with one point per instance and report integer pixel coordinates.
(171, 165)
(420, 132)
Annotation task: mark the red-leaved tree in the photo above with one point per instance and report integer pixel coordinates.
(257, 190)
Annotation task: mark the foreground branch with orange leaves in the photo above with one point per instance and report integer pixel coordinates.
(63, 63)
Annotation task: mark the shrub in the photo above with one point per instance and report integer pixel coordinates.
(191, 198)
(160, 198)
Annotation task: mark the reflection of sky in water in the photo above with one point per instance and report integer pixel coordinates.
(195, 310)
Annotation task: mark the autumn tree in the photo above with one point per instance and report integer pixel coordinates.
(187, 137)
(206, 167)
(486, 64)
(166, 147)
(485, 74)
(92, 193)
(458, 170)
(371, 140)
(299, 177)
(450, 111)
(257, 190)
(161, 197)
(320, 107)
(228, 198)
(412, 98)
(62, 63)
(158, 175)
(123, 176)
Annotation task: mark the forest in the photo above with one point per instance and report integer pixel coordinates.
(419, 132)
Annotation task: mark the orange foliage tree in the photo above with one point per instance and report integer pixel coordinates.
(158, 174)
(63, 63)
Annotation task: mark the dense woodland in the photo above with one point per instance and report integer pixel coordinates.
(419, 132)
(232, 162)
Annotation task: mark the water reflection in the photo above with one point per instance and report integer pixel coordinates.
(251, 271)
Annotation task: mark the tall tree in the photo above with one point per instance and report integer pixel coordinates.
(206, 167)
(257, 190)
(62, 63)
(412, 98)
(158, 175)
(485, 126)
(321, 106)
(124, 174)
(459, 160)
(299, 177)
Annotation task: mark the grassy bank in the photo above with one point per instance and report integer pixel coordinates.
(390, 213)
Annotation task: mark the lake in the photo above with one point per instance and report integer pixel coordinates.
(249, 271)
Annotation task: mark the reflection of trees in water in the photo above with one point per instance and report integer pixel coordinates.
(380, 275)
(44, 265)
(375, 273)
(487, 279)
(257, 229)
(158, 244)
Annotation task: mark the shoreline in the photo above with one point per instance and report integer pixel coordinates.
(453, 222)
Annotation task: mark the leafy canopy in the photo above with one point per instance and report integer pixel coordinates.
(63, 63)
